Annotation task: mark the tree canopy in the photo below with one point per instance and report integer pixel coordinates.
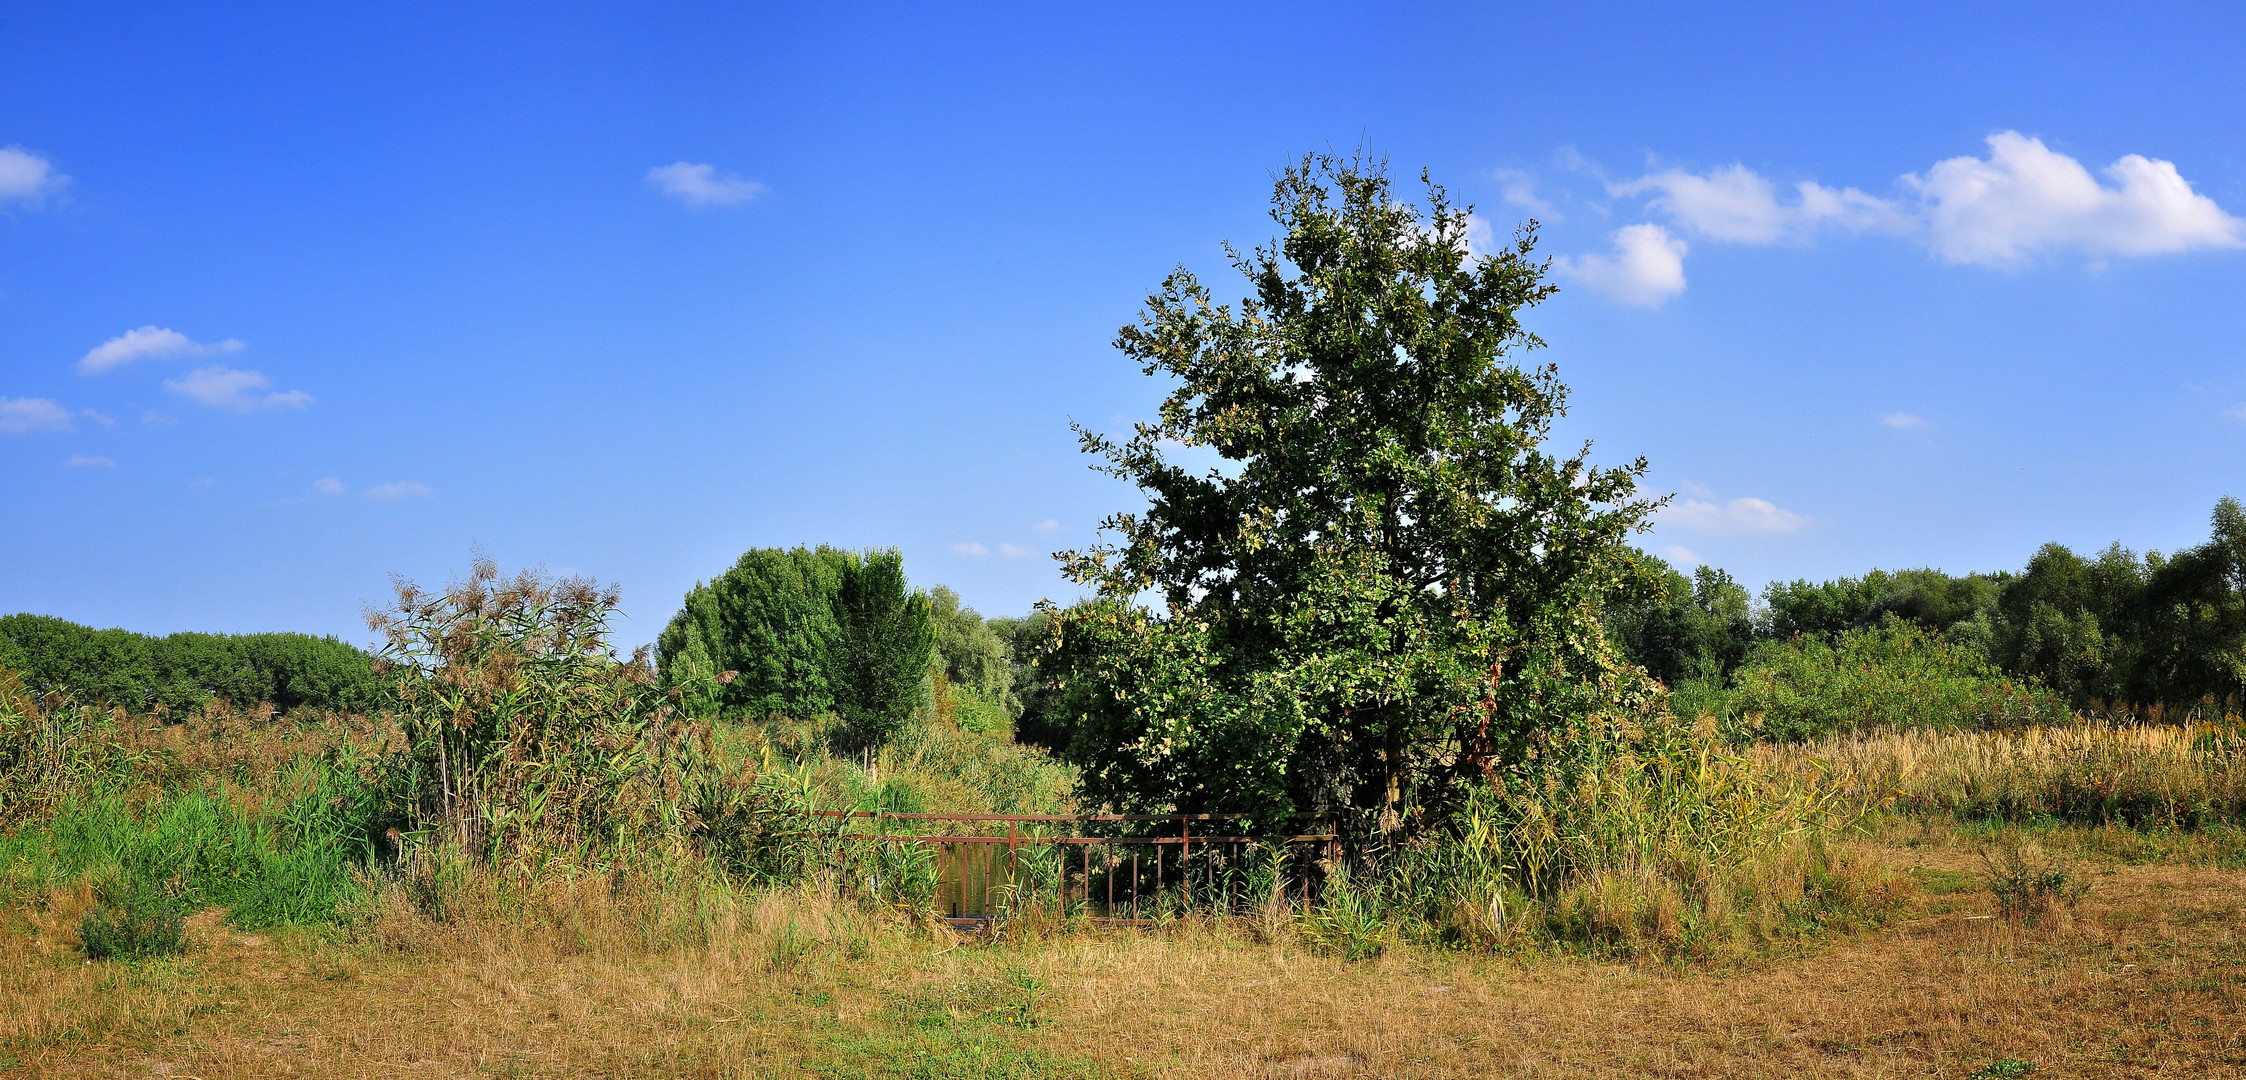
(1390, 582)
(808, 632)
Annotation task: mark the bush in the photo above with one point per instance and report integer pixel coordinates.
(144, 923)
(1894, 676)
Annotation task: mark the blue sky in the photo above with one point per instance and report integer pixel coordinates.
(293, 299)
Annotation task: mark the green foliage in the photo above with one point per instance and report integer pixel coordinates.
(809, 632)
(2028, 884)
(973, 653)
(2152, 636)
(771, 620)
(139, 923)
(1693, 628)
(1389, 585)
(182, 671)
(2005, 1068)
(883, 644)
(522, 734)
(1892, 676)
(286, 862)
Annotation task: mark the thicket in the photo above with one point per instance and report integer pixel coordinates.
(179, 673)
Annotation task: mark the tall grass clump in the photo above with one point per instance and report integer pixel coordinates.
(1654, 839)
(2090, 772)
(519, 735)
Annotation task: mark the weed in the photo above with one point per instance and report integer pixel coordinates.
(141, 922)
(2030, 885)
(2007, 1068)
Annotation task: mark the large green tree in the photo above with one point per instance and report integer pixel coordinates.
(1387, 582)
(808, 632)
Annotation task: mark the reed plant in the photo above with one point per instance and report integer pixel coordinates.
(1649, 839)
(2090, 772)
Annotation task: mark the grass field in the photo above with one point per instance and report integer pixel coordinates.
(2145, 977)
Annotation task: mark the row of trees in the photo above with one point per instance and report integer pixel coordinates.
(2115, 632)
(179, 672)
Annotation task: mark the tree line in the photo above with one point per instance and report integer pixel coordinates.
(180, 672)
(2116, 633)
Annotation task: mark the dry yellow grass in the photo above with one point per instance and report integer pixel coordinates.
(2085, 771)
(2147, 978)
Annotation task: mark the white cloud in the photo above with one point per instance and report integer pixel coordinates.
(2236, 412)
(1049, 526)
(699, 185)
(97, 416)
(2026, 199)
(2023, 201)
(1903, 420)
(1015, 551)
(27, 178)
(235, 390)
(20, 416)
(81, 461)
(1736, 205)
(1682, 556)
(147, 343)
(1745, 515)
(156, 419)
(328, 485)
(969, 548)
(399, 489)
(1646, 269)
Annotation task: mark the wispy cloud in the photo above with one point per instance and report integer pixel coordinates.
(152, 418)
(1645, 270)
(2236, 412)
(234, 390)
(98, 417)
(28, 179)
(1903, 420)
(1016, 551)
(19, 416)
(969, 547)
(1049, 526)
(1735, 205)
(328, 485)
(148, 343)
(1518, 188)
(700, 185)
(399, 489)
(1743, 515)
(1681, 556)
(202, 483)
(81, 461)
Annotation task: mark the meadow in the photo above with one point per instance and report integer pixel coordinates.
(2063, 900)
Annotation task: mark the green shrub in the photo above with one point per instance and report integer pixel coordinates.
(145, 923)
(1889, 677)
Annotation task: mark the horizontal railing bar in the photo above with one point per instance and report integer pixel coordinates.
(1034, 840)
(1052, 817)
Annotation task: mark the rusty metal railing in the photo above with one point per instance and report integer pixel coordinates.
(1172, 857)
